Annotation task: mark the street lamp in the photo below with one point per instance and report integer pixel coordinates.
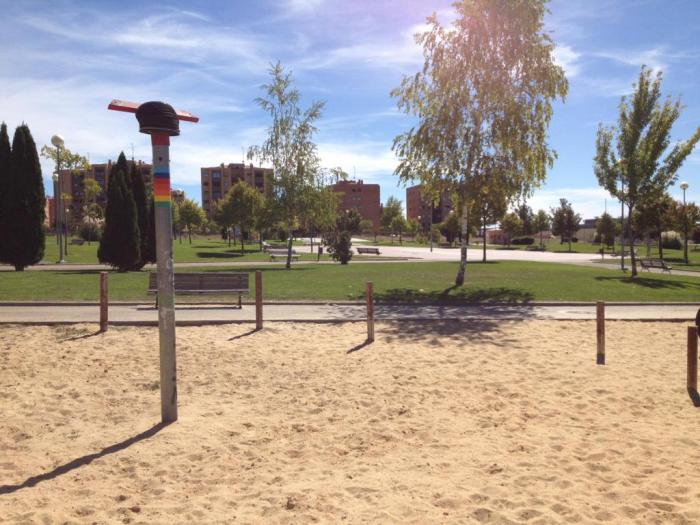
(57, 141)
(684, 186)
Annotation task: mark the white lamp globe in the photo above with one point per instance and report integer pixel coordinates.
(57, 141)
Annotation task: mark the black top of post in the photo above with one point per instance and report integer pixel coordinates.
(158, 118)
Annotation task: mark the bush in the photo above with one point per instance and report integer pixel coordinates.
(523, 241)
(673, 243)
(90, 232)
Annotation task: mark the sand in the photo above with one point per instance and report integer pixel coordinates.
(433, 423)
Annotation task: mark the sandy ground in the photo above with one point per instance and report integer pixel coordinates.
(433, 423)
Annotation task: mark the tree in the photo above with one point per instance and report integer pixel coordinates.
(489, 203)
(398, 225)
(71, 163)
(192, 216)
(565, 222)
(138, 190)
(149, 253)
(338, 174)
(390, 211)
(653, 217)
(526, 217)
(483, 102)
(511, 225)
(240, 206)
(685, 216)
(319, 212)
(450, 227)
(5, 162)
(606, 228)
(120, 245)
(366, 226)
(289, 147)
(23, 204)
(541, 223)
(636, 172)
(92, 211)
(338, 239)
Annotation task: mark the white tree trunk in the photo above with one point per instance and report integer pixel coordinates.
(459, 281)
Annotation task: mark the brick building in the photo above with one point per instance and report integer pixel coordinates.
(72, 184)
(216, 181)
(359, 196)
(417, 207)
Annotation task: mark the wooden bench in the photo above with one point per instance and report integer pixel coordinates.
(373, 251)
(78, 242)
(648, 264)
(205, 283)
(281, 253)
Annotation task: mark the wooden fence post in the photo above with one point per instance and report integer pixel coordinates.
(370, 312)
(692, 359)
(258, 301)
(104, 302)
(600, 332)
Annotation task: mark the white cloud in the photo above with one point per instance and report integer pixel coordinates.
(568, 59)
(301, 6)
(366, 159)
(588, 202)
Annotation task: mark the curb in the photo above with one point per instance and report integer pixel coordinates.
(357, 302)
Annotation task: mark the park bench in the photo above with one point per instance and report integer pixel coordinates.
(281, 253)
(362, 251)
(648, 264)
(204, 283)
(78, 242)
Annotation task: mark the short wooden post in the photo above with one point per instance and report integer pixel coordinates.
(104, 302)
(600, 332)
(258, 301)
(370, 312)
(692, 359)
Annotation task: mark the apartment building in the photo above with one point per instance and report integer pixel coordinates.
(72, 183)
(417, 206)
(356, 195)
(216, 181)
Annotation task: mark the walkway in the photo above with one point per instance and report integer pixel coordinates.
(204, 314)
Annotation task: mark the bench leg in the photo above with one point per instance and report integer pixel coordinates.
(240, 302)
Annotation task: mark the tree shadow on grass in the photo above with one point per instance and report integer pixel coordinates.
(84, 460)
(651, 282)
(456, 295)
(227, 254)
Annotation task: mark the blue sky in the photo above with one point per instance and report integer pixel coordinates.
(63, 61)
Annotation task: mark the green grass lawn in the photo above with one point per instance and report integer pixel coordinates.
(509, 281)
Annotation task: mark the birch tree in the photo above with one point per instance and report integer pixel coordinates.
(483, 102)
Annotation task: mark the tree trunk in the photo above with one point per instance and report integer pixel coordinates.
(312, 244)
(661, 245)
(633, 257)
(289, 251)
(189, 235)
(459, 280)
(19, 268)
(242, 244)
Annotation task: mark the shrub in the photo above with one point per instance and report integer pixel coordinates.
(673, 243)
(523, 241)
(90, 232)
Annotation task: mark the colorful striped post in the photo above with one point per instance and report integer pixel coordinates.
(161, 121)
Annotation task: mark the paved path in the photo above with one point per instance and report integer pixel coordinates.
(202, 314)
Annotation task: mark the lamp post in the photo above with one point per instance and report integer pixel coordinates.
(57, 142)
(684, 186)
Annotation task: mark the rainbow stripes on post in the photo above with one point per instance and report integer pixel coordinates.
(161, 187)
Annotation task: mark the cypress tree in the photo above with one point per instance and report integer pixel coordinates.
(120, 243)
(23, 203)
(4, 183)
(138, 189)
(149, 253)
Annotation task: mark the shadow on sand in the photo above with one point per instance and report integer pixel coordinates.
(85, 460)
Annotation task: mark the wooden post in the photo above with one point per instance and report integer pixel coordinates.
(600, 332)
(692, 359)
(258, 301)
(370, 312)
(104, 302)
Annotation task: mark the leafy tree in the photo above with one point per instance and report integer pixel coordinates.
(541, 223)
(607, 228)
(338, 174)
(450, 227)
(338, 239)
(120, 245)
(319, 212)
(138, 190)
(240, 207)
(655, 216)
(412, 226)
(23, 204)
(637, 173)
(526, 217)
(289, 147)
(511, 225)
(366, 226)
(5, 163)
(483, 102)
(390, 211)
(192, 216)
(489, 203)
(565, 222)
(685, 217)
(398, 226)
(175, 219)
